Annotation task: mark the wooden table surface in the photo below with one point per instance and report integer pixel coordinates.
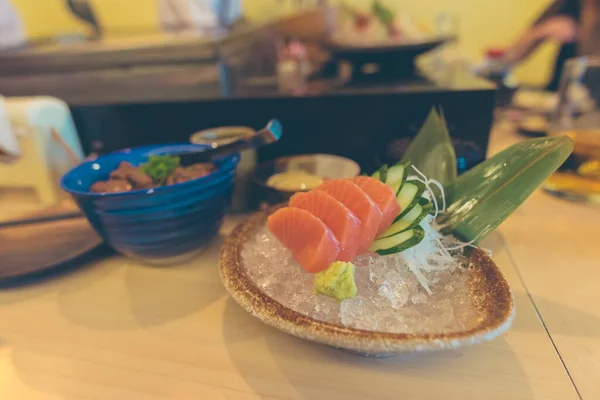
(556, 247)
(115, 329)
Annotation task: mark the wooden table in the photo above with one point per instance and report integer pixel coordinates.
(556, 246)
(116, 329)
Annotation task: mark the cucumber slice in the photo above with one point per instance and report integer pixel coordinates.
(396, 187)
(398, 242)
(402, 224)
(410, 220)
(409, 196)
(381, 173)
(427, 208)
(426, 204)
(397, 173)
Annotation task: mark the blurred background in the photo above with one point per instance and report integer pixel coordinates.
(140, 72)
(482, 24)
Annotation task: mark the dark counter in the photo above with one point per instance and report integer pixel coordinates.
(160, 95)
(350, 121)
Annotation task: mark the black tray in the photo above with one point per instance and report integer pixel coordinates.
(391, 60)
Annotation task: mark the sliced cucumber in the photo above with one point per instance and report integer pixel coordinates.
(397, 173)
(398, 242)
(426, 204)
(402, 224)
(381, 173)
(423, 201)
(409, 196)
(408, 221)
(427, 208)
(395, 187)
(424, 212)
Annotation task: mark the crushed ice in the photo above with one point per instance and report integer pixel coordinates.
(421, 290)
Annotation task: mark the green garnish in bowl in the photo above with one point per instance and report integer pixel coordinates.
(383, 13)
(160, 167)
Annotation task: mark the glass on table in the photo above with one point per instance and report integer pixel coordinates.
(578, 116)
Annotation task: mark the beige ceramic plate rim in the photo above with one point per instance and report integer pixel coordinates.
(499, 307)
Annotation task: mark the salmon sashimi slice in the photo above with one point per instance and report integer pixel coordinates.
(383, 196)
(338, 218)
(311, 242)
(361, 205)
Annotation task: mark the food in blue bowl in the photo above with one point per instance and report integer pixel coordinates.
(147, 206)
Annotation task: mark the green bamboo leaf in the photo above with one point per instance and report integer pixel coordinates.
(483, 197)
(431, 150)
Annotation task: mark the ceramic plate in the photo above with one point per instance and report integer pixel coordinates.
(32, 249)
(489, 293)
(340, 45)
(327, 166)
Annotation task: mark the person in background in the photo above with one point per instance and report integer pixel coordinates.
(12, 32)
(574, 24)
(198, 16)
(560, 22)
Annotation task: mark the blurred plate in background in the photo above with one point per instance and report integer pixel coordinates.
(34, 248)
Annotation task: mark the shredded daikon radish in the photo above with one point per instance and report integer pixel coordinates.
(437, 184)
(433, 253)
(429, 195)
(471, 243)
(429, 255)
(417, 271)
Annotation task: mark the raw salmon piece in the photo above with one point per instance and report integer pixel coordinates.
(361, 205)
(344, 225)
(383, 196)
(311, 242)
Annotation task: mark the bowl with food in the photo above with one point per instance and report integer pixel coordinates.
(146, 204)
(380, 42)
(276, 181)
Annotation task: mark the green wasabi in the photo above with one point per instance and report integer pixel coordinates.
(337, 281)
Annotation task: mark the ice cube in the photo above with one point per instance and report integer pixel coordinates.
(389, 297)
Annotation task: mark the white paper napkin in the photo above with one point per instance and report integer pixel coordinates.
(9, 147)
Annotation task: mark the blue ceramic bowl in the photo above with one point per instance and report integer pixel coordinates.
(160, 225)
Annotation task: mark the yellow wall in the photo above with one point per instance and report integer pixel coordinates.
(46, 17)
(123, 14)
(482, 23)
(49, 17)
